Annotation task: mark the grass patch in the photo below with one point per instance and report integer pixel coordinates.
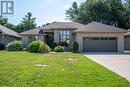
(17, 69)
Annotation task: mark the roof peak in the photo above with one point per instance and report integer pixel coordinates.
(99, 27)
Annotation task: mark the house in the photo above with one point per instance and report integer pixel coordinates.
(53, 33)
(7, 35)
(93, 37)
(127, 41)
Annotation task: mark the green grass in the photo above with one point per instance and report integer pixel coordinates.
(17, 70)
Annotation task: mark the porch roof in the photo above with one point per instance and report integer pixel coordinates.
(32, 32)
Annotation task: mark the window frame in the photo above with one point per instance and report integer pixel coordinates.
(64, 35)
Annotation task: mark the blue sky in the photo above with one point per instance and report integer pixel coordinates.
(44, 10)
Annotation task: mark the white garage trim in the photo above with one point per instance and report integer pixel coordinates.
(119, 36)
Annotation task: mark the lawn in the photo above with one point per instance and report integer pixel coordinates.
(21, 69)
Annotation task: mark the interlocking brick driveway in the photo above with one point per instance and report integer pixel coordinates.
(119, 63)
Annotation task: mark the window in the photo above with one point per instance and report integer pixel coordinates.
(112, 38)
(92, 38)
(64, 35)
(95, 38)
(104, 38)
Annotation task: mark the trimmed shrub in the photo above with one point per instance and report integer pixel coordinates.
(59, 49)
(44, 48)
(2, 46)
(54, 45)
(38, 47)
(34, 46)
(65, 44)
(75, 47)
(15, 46)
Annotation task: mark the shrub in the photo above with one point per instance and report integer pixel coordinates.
(34, 46)
(54, 45)
(75, 47)
(63, 44)
(44, 48)
(59, 49)
(2, 46)
(15, 46)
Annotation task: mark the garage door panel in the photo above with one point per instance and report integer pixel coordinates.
(90, 45)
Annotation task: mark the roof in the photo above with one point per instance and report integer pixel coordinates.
(7, 31)
(62, 25)
(99, 27)
(128, 33)
(32, 31)
(55, 25)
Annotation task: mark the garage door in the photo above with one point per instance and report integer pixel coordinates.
(99, 44)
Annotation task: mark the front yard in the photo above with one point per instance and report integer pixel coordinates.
(23, 69)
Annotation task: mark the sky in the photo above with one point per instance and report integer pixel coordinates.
(46, 11)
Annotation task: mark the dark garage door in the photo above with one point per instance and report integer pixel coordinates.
(99, 44)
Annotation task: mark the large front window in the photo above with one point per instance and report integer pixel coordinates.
(64, 36)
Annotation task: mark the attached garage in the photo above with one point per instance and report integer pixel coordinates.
(98, 37)
(99, 44)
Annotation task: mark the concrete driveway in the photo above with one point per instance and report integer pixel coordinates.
(119, 63)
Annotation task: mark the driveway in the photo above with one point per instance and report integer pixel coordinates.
(119, 63)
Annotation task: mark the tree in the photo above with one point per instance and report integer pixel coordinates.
(10, 26)
(27, 23)
(72, 12)
(116, 12)
(112, 12)
(127, 9)
(3, 20)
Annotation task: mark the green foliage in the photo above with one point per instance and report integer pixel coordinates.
(10, 26)
(65, 44)
(15, 46)
(2, 46)
(54, 45)
(112, 12)
(27, 23)
(18, 69)
(44, 48)
(34, 46)
(75, 47)
(3, 20)
(38, 47)
(72, 12)
(59, 49)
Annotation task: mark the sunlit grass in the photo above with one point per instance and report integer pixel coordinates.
(18, 69)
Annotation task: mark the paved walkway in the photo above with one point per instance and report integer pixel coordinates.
(119, 63)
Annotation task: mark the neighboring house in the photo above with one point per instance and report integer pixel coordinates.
(7, 35)
(93, 37)
(127, 41)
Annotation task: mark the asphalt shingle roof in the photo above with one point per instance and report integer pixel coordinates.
(55, 25)
(99, 27)
(7, 31)
(92, 27)
(62, 25)
(128, 33)
(32, 31)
